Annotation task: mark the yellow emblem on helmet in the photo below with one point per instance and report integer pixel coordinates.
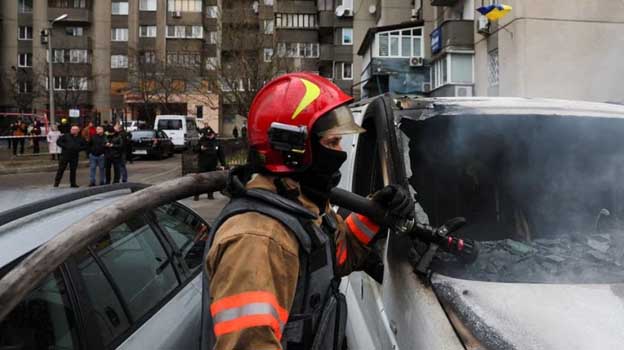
(311, 94)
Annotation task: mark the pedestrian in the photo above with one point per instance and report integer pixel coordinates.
(9, 132)
(35, 133)
(114, 154)
(71, 144)
(88, 132)
(52, 137)
(235, 132)
(19, 135)
(97, 150)
(244, 133)
(277, 250)
(128, 146)
(210, 153)
(125, 147)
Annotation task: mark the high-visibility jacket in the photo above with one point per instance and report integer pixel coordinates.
(272, 268)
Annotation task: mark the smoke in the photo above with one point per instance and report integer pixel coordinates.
(526, 179)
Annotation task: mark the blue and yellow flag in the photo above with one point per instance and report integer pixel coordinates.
(494, 12)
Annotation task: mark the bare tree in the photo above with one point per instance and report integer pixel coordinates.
(23, 87)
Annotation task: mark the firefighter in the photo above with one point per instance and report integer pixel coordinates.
(277, 251)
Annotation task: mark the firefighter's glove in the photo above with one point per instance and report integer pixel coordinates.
(397, 201)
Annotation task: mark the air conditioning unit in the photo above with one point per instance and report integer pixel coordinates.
(348, 13)
(177, 14)
(416, 62)
(483, 25)
(463, 91)
(342, 11)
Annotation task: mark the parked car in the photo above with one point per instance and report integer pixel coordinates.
(133, 125)
(151, 143)
(137, 287)
(539, 182)
(181, 129)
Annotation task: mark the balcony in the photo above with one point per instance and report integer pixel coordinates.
(73, 15)
(327, 52)
(443, 2)
(456, 34)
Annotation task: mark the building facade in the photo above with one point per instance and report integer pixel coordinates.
(130, 58)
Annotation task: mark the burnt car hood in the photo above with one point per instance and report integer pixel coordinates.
(536, 316)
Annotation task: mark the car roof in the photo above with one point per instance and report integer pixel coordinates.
(426, 108)
(173, 116)
(24, 234)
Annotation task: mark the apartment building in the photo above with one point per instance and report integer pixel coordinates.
(569, 49)
(108, 55)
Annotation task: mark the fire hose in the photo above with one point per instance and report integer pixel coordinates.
(465, 249)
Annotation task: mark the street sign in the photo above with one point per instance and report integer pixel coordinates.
(74, 113)
(436, 40)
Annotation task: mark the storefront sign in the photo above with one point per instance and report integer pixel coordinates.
(436, 40)
(74, 113)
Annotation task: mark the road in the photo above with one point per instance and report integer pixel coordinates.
(143, 171)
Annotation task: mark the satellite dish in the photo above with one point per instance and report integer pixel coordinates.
(340, 10)
(372, 9)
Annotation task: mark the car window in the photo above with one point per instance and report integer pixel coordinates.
(187, 231)
(111, 318)
(138, 265)
(162, 135)
(44, 319)
(169, 124)
(137, 135)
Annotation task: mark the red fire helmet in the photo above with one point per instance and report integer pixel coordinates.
(296, 100)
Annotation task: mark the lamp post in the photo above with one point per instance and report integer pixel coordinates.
(50, 58)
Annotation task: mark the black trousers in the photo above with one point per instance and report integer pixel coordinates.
(35, 145)
(115, 165)
(20, 142)
(73, 165)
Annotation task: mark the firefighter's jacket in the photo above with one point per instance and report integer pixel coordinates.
(253, 276)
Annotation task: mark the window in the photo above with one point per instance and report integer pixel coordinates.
(493, 76)
(184, 58)
(148, 5)
(306, 50)
(119, 34)
(268, 55)
(78, 56)
(44, 319)
(25, 33)
(147, 31)
(347, 71)
(25, 87)
(185, 5)
(169, 124)
(58, 56)
(212, 37)
(77, 83)
(268, 2)
(405, 43)
(25, 6)
(187, 232)
(295, 20)
(119, 61)
(24, 60)
(119, 8)
(138, 265)
(461, 69)
(212, 11)
(211, 63)
(111, 319)
(148, 57)
(197, 32)
(347, 36)
(268, 26)
(79, 4)
(185, 32)
(74, 31)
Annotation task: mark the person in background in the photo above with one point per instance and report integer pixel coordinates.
(235, 132)
(97, 150)
(129, 156)
(88, 132)
(19, 131)
(71, 145)
(35, 133)
(210, 153)
(52, 137)
(126, 139)
(115, 152)
(8, 132)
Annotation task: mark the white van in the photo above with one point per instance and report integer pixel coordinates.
(181, 129)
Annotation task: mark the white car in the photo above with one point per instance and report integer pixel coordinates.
(134, 125)
(540, 184)
(181, 129)
(137, 287)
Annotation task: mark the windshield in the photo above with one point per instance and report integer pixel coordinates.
(542, 194)
(169, 124)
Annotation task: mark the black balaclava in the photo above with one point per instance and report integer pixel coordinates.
(323, 174)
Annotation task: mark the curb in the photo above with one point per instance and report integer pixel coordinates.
(36, 169)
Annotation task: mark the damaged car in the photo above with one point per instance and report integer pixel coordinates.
(539, 183)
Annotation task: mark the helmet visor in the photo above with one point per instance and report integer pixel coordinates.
(338, 121)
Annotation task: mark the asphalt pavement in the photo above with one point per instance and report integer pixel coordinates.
(143, 171)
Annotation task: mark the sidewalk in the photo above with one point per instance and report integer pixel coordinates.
(29, 162)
